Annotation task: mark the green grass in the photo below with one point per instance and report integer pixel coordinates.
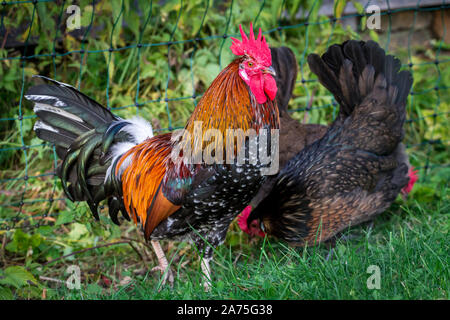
(409, 243)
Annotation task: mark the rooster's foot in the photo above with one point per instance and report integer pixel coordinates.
(163, 266)
(206, 270)
(166, 273)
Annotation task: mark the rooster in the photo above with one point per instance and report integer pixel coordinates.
(357, 168)
(150, 179)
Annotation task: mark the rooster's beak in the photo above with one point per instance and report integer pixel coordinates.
(270, 70)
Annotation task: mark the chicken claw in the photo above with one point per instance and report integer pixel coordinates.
(163, 266)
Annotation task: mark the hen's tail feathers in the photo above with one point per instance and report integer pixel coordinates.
(355, 69)
(89, 139)
(285, 65)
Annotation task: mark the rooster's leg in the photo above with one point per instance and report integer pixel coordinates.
(163, 264)
(206, 270)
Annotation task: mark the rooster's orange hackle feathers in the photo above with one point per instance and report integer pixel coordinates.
(218, 109)
(142, 178)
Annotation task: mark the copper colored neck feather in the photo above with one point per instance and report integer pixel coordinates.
(229, 104)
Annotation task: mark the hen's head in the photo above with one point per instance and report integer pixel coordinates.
(256, 66)
(251, 227)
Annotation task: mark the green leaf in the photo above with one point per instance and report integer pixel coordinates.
(339, 6)
(45, 230)
(17, 276)
(358, 6)
(94, 288)
(374, 35)
(86, 16)
(6, 294)
(77, 231)
(20, 242)
(363, 23)
(212, 70)
(65, 217)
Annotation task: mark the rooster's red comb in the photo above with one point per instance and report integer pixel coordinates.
(255, 48)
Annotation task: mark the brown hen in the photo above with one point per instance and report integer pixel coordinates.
(357, 168)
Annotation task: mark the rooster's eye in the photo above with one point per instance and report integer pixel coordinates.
(250, 64)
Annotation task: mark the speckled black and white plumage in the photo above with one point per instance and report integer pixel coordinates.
(212, 204)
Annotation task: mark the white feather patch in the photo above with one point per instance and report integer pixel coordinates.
(41, 125)
(120, 148)
(140, 129)
(46, 107)
(34, 97)
(244, 75)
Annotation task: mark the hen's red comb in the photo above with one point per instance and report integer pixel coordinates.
(242, 219)
(254, 229)
(255, 48)
(413, 177)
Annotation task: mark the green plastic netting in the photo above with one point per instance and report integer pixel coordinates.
(155, 59)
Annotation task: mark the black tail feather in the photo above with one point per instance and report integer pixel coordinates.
(59, 137)
(78, 126)
(349, 72)
(69, 99)
(52, 116)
